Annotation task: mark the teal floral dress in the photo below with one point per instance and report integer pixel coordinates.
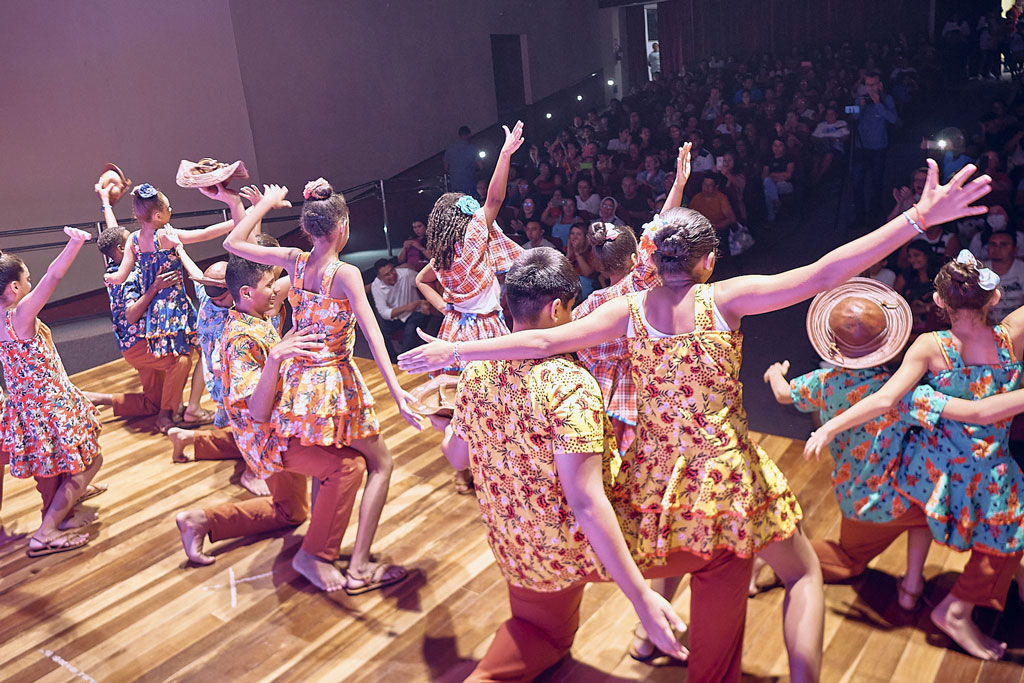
(170, 322)
(963, 475)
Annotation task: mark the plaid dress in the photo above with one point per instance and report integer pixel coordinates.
(484, 253)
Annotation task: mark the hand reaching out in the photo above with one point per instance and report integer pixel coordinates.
(781, 368)
(683, 166)
(433, 355)
(403, 399)
(944, 203)
(103, 191)
(274, 197)
(251, 193)
(298, 343)
(219, 192)
(77, 235)
(513, 138)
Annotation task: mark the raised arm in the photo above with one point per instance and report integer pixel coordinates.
(752, 294)
(103, 192)
(349, 284)
(28, 308)
(608, 321)
(433, 297)
(913, 368)
(239, 240)
(234, 202)
(674, 199)
(499, 181)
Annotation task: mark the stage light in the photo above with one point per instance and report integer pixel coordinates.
(548, 115)
(611, 82)
(483, 154)
(579, 98)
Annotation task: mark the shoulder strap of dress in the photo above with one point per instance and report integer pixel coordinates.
(328, 279)
(1004, 344)
(703, 308)
(944, 338)
(639, 328)
(9, 325)
(135, 243)
(298, 275)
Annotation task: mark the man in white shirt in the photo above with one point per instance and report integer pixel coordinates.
(1002, 251)
(399, 305)
(535, 236)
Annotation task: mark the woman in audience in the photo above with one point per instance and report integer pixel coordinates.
(915, 285)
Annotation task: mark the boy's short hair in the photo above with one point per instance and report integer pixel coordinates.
(265, 240)
(110, 240)
(244, 273)
(536, 278)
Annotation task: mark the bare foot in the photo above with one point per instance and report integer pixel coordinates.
(98, 399)
(320, 573)
(194, 526)
(79, 517)
(253, 484)
(953, 617)
(164, 422)
(180, 438)
(9, 535)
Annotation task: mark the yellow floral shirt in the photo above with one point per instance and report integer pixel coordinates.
(516, 417)
(246, 344)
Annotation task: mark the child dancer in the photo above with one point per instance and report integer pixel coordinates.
(324, 400)
(857, 328)
(50, 430)
(170, 321)
(701, 483)
(469, 252)
(963, 477)
(537, 432)
(253, 353)
(629, 271)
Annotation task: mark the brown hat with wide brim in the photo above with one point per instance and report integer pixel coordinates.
(436, 396)
(207, 172)
(859, 324)
(116, 182)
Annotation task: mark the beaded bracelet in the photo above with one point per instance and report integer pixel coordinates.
(105, 207)
(910, 220)
(920, 217)
(455, 354)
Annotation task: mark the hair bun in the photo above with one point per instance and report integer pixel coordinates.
(318, 189)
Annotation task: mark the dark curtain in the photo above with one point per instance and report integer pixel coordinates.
(635, 47)
(674, 35)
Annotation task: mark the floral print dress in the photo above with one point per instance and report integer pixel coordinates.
(324, 400)
(170, 322)
(693, 479)
(49, 426)
(963, 475)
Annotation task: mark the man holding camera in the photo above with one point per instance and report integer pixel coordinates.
(874, 113)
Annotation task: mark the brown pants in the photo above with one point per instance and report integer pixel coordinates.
(543, 625)
(163, 381)
(984, 581)
(216, 444)
(340, 472)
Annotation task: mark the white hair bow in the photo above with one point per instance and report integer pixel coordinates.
(987, 278)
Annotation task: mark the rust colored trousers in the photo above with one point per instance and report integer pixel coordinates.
(215, 444)
(984, 581)
(543, 624)
(340, 472)
(163, 381)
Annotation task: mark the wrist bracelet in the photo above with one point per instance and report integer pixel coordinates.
(105, 207)
(910, 220)
(920, 217)
(455, 354)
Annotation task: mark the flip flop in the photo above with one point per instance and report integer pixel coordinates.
(656, 657)
(60, 544)
(93, 490)
(204, 417)
(381, 576)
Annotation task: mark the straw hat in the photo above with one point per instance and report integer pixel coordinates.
(859, 324)
(114, 179)
(436, 396)
(207, 172)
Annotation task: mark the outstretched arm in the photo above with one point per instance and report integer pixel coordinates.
(423, 280)
(234, 202)
(239, 241)
(985, 411)
(349, 284)
(674, 199)
(914, 365)
(775, 377)
(499, 181)
(191, 269)
(108, 210)
(608, 321)
(751, 294)
(28, 308)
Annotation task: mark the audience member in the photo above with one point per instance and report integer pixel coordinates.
(400, 305)
(461, 163)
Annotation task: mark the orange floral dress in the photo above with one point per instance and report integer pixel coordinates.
(49, 426)
(693, 479)
(324, 400)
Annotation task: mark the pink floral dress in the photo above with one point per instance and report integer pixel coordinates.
(49, 426)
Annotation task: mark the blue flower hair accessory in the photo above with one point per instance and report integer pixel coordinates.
(145, 191)
(987, 278)
(468, 205)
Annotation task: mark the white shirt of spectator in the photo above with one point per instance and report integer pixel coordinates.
(1012, 285)
(836, 132)
(543, 243)
(702, 161)
(389, 297)
(886, 276)
(977, 248)
(591, 205)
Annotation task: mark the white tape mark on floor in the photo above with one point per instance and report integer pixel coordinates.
(234, 591)
(67, 665)
(246, 579)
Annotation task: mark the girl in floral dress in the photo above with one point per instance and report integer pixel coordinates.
(961, 475)
(700, 483)
(324, 401)
(155, 248)
(49, 429)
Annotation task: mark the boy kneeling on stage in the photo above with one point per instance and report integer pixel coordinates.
(542, 449)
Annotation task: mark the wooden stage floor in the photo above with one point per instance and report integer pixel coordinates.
(126, 608)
